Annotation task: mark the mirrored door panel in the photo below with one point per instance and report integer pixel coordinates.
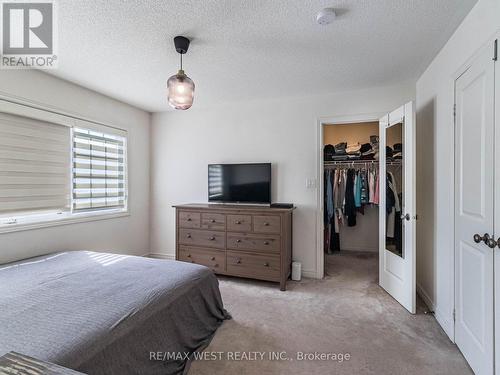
(397, 266)
(394, 238)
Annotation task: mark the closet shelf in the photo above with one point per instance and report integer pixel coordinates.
(360, 162)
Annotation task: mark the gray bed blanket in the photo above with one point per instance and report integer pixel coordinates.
(108, 314)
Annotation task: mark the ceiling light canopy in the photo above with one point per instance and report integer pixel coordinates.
(180, 87)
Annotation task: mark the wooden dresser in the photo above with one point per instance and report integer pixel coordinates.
(246, 241)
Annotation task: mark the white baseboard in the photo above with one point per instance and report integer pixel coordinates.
(425, 297)
(311, 274)
(445, 322)
(360, 249)
(162, 256)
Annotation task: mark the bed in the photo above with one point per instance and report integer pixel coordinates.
(108, 314)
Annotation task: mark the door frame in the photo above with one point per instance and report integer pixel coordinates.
(454, 77)
(320, 122)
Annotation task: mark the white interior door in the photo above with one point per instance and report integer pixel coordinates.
(474, 171)
(496, 219)
(397, 265)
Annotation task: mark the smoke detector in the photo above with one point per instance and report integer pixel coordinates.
(326, 16)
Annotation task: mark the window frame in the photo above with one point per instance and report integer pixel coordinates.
(35, 220)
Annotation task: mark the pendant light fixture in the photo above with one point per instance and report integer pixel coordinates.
(180, 87)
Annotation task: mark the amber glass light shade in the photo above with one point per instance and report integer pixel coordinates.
(180, 91)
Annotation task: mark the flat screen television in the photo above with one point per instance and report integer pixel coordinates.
(239, 183)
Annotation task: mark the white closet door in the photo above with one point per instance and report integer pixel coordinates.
(474, 143)
(397, 265)
(496, 254)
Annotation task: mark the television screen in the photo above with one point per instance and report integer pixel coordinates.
(239, 183)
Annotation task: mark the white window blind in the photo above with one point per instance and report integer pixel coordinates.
(99, 175)
(34, 166)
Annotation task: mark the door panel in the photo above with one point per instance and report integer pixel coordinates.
(474, 132)
(397, 266)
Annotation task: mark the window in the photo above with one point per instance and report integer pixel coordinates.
(98, 171)
(56, 168)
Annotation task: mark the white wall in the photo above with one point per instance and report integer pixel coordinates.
(128, 235)
(435, 246)
(282, 131)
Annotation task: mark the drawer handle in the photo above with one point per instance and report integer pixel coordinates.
(213, 258)
(266, 242)
(212, 221)
(216, 265)
(212, 238)
(266, 264)
(188, 219)
(189, 255)
(238, 241)
(238, 261)
(188, 236)
(238, 222)
(266, 224)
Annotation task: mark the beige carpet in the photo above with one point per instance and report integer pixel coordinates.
(345, 313)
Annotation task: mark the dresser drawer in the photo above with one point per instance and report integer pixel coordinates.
(266, 267)
(202, 238)
(189, 219)
(213, 259)
(267, 224)
(254, 242)
(213, 221)
(239, 223)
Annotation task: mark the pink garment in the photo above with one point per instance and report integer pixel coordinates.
(371, 186)
(376, 198)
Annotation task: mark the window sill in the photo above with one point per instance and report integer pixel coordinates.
(74, 219)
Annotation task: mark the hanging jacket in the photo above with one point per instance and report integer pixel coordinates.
(329, 195)
(357, 189)
(350, 206)
(364, 187)
(376, 196)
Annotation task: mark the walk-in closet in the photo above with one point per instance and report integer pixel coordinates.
(352, 189)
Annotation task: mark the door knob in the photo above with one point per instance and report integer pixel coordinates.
(487, 239)
(477, 238)
(405, 217)
(491, 243)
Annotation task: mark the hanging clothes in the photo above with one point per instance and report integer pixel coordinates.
(364, 188)
(347, 192)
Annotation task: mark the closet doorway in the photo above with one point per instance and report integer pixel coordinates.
(350, 155)
(366, 201)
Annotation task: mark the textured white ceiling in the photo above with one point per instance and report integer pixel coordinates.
(246, 49)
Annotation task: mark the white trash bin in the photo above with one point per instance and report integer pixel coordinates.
(296, 271)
